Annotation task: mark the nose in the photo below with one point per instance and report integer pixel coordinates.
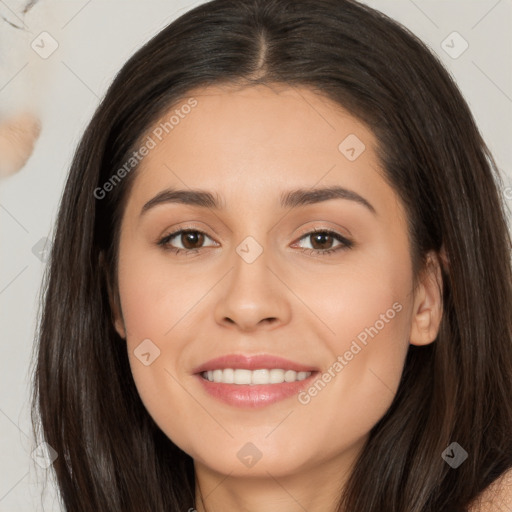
(255, 297)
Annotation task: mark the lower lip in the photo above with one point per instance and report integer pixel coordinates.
(255, 395)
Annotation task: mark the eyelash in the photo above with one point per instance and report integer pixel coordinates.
(345, 242)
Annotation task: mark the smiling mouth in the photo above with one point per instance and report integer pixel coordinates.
(256, 377)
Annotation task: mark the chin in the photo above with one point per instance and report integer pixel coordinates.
(248, 459)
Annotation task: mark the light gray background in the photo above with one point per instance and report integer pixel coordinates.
(95, 38)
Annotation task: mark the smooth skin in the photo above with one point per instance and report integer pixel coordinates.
(248, 146)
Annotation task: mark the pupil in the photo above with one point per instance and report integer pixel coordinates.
(320, 237)
(192, 238)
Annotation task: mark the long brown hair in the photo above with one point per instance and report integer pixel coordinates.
(112, 456)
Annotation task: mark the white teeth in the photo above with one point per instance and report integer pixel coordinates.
(276, 376)
(227, 376)
(260, 376)
(240, 377)
(290, 376)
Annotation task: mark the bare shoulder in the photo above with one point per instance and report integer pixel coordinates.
(497, 497)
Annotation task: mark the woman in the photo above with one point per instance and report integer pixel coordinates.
(280, 278)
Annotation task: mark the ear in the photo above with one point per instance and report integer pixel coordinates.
(117, 316)
(428, 301)
(113, 297)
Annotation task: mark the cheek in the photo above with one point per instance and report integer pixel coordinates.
(359, 381)
(158, 302)
(155, 294)
(367, 310)
(367, 297)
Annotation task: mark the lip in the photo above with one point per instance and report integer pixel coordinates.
(252, 362)
(252, 395)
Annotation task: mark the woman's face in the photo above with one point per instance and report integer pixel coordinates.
(253, 279)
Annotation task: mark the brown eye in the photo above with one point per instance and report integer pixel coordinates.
(188, 239)
(322, 241)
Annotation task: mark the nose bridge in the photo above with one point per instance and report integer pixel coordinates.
(252, 262)
(254, 294)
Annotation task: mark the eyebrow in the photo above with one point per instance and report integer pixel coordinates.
(290, 199)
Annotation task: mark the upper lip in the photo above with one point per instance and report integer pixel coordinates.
(252, 362)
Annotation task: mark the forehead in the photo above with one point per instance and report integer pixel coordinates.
(239, 141)
(262, 119)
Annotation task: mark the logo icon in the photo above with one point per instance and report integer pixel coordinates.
(249, 455)
(249, 250)
(454, 45)
(44, 45)
(454, 455)
(40, 249)
(44, 455)
(352, 147)
(146, 352)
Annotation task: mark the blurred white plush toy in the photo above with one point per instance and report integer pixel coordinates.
(21, 81)
(18, 135)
